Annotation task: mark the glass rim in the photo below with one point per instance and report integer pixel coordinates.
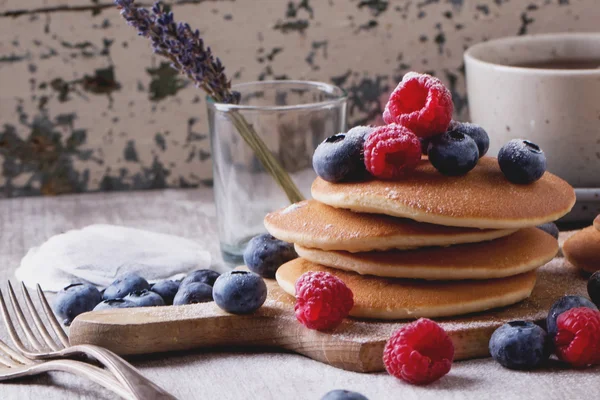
(341, 96)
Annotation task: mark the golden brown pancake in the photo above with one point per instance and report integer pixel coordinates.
(583, 249)
(483, 198)
(520, 252)
(597, 222)
(386, 298)
(313, 224)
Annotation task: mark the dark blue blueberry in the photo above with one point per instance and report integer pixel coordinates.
(453, 153)
(207, 276)
(124, 285)
(264, 254)
(550, 228)
(240, 292)
(520, 345)
(76, 299)
(167, 289)
(145, 298)
(522, 161)
(593, 287)
(340, 157)
(475, 132)
(343, 395)
(560, 306)
(114, 303)
(195, 292)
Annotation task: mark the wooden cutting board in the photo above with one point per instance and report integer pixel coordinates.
(354, 346)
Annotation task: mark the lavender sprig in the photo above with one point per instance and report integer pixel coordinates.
(185, 48)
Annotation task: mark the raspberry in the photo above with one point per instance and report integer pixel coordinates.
(391, 151)
(322, 300)
(577, 340)
(421, 103)
(419, 353)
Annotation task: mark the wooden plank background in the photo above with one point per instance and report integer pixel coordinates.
(85, 106)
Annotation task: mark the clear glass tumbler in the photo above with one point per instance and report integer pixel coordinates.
(292, 118)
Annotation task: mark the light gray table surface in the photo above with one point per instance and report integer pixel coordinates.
(241, 373)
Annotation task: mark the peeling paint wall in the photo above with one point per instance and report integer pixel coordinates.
(85, 106)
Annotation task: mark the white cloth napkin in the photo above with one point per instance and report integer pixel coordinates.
(100, 253)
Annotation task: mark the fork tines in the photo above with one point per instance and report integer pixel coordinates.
(47, 343)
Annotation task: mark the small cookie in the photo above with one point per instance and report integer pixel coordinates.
(583, 249)
(597, 222)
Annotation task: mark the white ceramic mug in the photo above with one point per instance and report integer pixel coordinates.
(558, 109)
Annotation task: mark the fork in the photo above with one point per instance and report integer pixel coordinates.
(17, 366)
(126, 374)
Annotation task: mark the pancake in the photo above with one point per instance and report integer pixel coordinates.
(391, 299)
(583, 249)
(597, 222)
(313, 224)
(483, 198)
(520, 252)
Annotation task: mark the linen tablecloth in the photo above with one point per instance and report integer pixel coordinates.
(233, 373)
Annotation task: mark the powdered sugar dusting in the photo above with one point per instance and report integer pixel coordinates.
(292, 207)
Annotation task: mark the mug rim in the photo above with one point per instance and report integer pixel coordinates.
(471, 56)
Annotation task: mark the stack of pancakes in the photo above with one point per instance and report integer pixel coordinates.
(428, 245)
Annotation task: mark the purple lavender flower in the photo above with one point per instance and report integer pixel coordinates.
(183, 46)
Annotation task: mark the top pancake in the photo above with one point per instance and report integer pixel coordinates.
(316, 225)
(483, 198)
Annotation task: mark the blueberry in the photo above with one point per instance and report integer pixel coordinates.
(361, 131)
(264, 254)
(593, 287)
(520, 345)
(340, 157)
(195, 292)
(522, 161)
(114, 303)
(343, 395)
(76, 299)
(167, 289)
(240, 292)
(550, 228)
(475, 132)
(124, 285)
(145, 298)
(453, 153)
(207, 276)
(560, 306)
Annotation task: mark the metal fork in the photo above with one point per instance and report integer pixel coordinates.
(13, 365)
(126, 374)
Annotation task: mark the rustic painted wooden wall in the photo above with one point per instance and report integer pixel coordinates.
(85, 106)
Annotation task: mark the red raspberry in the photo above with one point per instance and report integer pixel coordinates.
(421, 103)
(322, 300)
(419, 353)
(577, 339)
(391, 151)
